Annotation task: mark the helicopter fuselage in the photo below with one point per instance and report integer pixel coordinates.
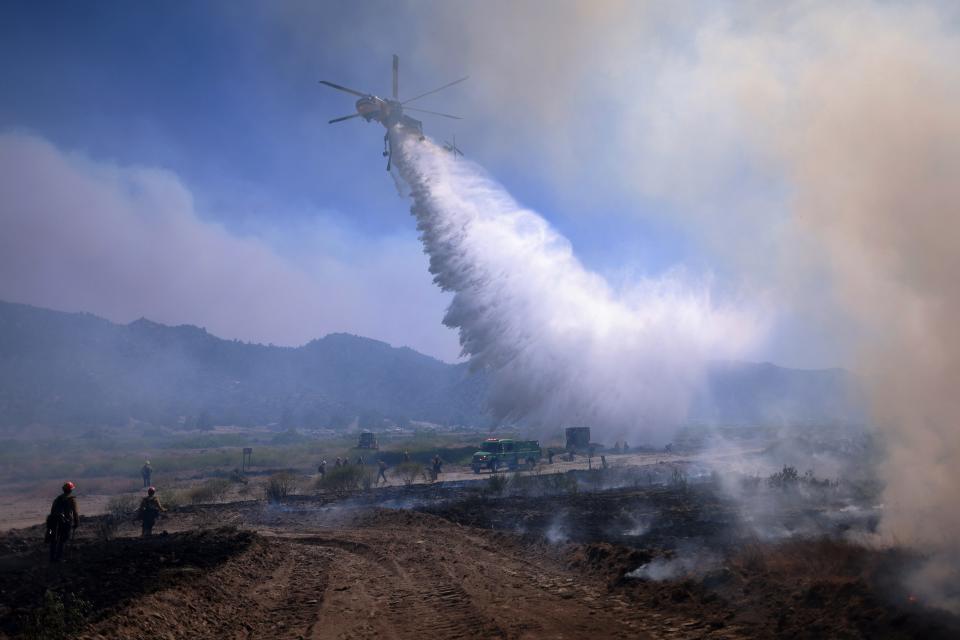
(389, 113)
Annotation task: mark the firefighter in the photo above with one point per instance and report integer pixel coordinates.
(62, 521)
(382, 473)
(146, 471)
(150, 509)
(550, 456)
(322, 469)
(437, 467)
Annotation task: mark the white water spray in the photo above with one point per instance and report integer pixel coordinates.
(564, 347)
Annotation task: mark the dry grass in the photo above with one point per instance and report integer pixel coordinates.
(213, 490)
(823, 557)
(280, 485)
(408, 472)
(119, 509)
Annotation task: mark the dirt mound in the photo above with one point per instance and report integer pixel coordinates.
(106, 576)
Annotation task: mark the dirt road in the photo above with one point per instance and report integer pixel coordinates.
(365, 574)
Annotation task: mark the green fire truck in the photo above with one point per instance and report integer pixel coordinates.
(497, 453)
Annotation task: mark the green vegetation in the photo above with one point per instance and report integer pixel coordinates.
(58, 617)
(209, 441)
(176, 456)
(344, 479)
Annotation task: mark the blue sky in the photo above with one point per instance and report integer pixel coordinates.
(587, 114)
(228, 100)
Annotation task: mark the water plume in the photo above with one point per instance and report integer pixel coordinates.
(564, 347)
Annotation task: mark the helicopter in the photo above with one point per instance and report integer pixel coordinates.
(390, 112)
(452, 147)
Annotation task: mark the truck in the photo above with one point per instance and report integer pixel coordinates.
(578, 438)
(498, 453)
(368, 441)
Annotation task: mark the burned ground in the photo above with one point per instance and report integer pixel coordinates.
(514, 559)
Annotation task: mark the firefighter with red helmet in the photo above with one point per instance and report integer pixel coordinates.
(61, 522)
(150, 509)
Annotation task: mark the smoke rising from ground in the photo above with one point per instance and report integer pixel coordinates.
(878, 176)
(868, 135)
(566, 348)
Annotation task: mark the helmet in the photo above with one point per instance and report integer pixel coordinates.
(69, 486)
(151, 491)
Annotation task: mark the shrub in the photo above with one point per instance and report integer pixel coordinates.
(174, 499)
(119, 508)
(784, 479)
(409, 472)
(344, 479)
(280, 485)
(58, 617)
(213, 490)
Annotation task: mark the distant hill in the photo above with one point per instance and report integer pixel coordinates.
(78, 369)
(746, 393)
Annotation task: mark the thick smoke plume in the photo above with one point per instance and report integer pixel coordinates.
(867, 132)
(564, 346)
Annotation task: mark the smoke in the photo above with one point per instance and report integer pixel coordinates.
(696, 562)
(867, 133)
(827, 137)
(566, 348)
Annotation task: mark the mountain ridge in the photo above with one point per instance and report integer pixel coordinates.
(75, 368)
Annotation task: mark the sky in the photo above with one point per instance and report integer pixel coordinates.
(174, 161)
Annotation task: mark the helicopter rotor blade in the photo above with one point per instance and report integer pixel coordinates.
(352, 115)
(342, 88)
(396, 74)
(423, 95)
(435, 113)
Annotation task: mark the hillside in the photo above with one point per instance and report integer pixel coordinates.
(78, 369)
(75, 368)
